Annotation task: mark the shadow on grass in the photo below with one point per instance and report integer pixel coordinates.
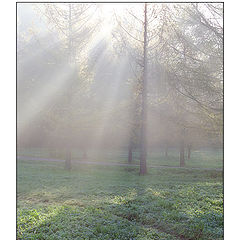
(85, 223)
(114, 203)
(163, 212)
(140, 214)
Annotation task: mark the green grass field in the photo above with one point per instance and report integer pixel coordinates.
(112, 202)
(203, 158)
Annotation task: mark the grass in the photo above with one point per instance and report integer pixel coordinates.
(203, 158)
(111, 202)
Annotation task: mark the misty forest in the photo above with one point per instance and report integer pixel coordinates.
(120, 121)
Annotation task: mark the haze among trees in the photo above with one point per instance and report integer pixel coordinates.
(150, 78)
(134, 85)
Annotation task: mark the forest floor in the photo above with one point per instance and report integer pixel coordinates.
(114, 202)
(111, 163)
(202, 158)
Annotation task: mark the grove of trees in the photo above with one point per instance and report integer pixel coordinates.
(137, 77)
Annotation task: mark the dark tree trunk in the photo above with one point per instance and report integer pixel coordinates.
(130, 153)
(143, 151)
(182, 146)
(189, 151)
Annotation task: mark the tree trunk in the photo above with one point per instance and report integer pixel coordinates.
(68, 164)
(182, 146)
(130, 153)
(182, 159)
(189, 151)
(143, 144)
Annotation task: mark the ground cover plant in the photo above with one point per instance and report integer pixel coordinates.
(114, 202)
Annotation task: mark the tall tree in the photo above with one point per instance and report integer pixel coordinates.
(193, 60)
(143, 137)
(73, 23)
(140, 36)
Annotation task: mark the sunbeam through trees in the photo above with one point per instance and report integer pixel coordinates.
(128, 88)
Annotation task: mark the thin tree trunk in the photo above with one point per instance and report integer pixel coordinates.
(166, 152)
(182, 146)
(68, 164)
(189, 151)
(130, 153)
(143, 153)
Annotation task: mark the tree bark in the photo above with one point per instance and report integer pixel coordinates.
(143, 144)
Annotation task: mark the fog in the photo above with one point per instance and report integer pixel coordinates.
(97, 79)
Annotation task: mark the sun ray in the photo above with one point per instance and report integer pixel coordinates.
(30, 110)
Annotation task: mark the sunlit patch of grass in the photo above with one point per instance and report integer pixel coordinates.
(112, 203)
(80, 223)
(29, 219)
(160, 194)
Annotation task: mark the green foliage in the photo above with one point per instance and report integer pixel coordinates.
(99, 202)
